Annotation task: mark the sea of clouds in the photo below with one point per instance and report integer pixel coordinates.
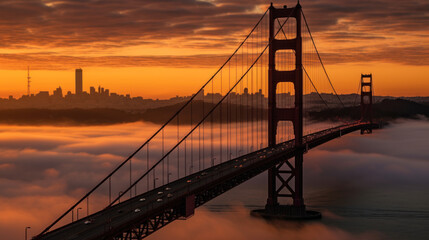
(43, 170)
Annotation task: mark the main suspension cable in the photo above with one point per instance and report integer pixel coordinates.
(320, 59)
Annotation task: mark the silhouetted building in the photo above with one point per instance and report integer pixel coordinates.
(92, 90)
(43, 94)
(58, 92)
(78, 81)
(200, 95)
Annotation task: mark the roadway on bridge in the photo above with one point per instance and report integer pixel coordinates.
(142, 206)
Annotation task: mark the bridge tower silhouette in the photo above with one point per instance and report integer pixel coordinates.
(366, 100)
(293, 171)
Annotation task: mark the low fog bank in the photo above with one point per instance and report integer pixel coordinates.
(397, 155)
(43, 170)
(238, 225)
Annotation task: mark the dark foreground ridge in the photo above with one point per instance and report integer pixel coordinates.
(67, 117)
(388, 109)
(107, 116)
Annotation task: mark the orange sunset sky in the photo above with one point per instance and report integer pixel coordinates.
(159, 49)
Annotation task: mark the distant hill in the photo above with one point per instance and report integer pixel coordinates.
(232, 112)
(66, 116)
(106, 116)
(388, 109)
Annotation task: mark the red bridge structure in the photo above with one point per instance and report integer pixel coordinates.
(248, 118)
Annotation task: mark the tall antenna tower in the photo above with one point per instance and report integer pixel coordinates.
(28, 80)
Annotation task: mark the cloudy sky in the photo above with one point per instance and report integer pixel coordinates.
(144, 46)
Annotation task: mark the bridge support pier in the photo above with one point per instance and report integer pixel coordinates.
(286, 171)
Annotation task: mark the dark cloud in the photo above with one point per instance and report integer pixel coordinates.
(407, 55)
(95, 26)
(114, 23)
(351, 36)
(60, 62)
(380, 16)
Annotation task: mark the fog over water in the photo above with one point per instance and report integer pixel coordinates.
(366, 186)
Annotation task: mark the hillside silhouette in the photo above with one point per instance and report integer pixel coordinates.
(388, 109)
(106, 116)
(77, 116)
(232, 112)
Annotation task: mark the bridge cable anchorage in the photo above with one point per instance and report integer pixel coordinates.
(306, 73)
(155, 134)
(320, 59)
(202, 120)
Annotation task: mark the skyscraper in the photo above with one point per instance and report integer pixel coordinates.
(78, 81)
(92, 91)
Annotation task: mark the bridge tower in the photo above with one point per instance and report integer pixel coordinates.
(366, 101)
(279, 180)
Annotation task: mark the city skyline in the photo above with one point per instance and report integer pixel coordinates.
(100, 97)
(78, 89)
(121, 51)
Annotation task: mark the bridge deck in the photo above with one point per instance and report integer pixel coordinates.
(148, 212)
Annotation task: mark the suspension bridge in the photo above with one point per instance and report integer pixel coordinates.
(249, 117)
